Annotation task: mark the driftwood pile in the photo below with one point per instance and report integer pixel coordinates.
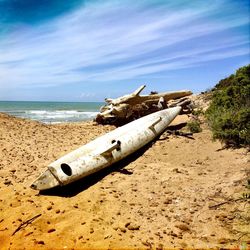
(133, 106)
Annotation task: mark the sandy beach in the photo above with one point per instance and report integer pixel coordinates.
(163, 197)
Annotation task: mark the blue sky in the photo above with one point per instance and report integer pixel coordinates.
(60, 50)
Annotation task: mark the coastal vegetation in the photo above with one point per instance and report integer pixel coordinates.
(194, 126)
(229, 112)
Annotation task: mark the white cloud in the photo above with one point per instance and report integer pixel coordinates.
(85, 94)
(111, 41)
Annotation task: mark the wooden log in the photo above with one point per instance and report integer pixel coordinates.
(176, 101)
(181, 103)
(125, 98)
(166, 95)
(133, 106)
(135, 98)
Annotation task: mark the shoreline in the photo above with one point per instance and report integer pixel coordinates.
(46, 123)
(52, 112)
(160, 198)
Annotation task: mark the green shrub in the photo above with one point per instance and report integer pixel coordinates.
(198, 112)
(229, 111)
(194, 127)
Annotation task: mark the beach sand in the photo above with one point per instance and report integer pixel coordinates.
(159, 198)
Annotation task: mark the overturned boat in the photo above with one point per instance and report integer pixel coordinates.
(105, 150)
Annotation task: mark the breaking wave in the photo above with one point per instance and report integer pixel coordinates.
(55, 116)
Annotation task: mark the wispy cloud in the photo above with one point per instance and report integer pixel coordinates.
(119, 40)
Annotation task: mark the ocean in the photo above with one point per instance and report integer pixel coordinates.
(52, 112)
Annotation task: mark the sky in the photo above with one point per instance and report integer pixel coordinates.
(86, 50)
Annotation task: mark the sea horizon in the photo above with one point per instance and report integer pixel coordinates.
(50, 112)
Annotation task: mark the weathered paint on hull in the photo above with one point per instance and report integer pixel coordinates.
(105, 150)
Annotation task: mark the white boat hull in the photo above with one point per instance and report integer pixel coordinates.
(105, 150)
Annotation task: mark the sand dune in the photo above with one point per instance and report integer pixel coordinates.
(161, 197)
